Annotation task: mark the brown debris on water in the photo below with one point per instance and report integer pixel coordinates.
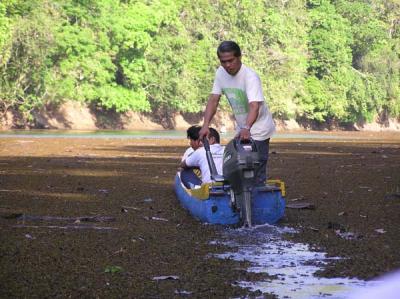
(71, 262)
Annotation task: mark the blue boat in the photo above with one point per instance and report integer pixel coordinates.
(212, 203)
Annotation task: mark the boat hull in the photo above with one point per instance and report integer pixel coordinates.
(268, 205)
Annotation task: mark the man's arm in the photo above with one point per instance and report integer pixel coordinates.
(193, 160)
(254, 108)
(211, 108)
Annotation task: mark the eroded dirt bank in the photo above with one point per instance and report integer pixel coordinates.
(353, 185)
(72, 115)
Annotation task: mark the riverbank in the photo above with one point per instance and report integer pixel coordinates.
(77, 116)
(150, 247)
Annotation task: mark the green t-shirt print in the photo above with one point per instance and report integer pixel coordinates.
(237, 99)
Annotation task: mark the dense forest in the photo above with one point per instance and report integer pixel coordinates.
(319, 60)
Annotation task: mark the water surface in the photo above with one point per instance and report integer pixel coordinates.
(293, 266)
(181, 134)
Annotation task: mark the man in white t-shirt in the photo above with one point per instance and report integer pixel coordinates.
(242, 87)
(199, 159)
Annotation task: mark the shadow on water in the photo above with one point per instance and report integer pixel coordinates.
(291, 266)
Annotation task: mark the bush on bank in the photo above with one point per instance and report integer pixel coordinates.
(319, 60)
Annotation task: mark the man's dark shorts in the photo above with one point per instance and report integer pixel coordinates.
(263, 151)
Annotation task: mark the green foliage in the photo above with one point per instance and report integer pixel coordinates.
(367, 30)
(20, 7)
(183, 62)
(113, 269)
(4, 34)
(383, 66)
(350, 79)
(318, 59)
(103, 54)
(329, 40)
(314, 100)
(285, 65)
(24, 61)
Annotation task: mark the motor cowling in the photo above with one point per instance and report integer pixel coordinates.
(240, 164)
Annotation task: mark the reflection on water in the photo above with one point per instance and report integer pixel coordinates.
(177, 134)
(293, 265)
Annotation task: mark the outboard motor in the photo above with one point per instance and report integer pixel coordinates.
(240, 165)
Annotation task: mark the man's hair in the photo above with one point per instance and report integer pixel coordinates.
(229, 46)
(214, 133)
(193, 132)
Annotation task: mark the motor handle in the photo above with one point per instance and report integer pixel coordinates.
(240, 145)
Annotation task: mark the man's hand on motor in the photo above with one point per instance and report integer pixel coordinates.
(244, 134)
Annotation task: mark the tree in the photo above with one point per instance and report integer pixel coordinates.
(24, 59)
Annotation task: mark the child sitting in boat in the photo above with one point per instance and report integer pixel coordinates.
(194, 141)
(198, 159)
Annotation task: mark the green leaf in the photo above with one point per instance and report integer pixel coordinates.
(113, 269)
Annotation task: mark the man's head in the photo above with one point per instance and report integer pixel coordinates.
(230, 55)
(193, 136)
(213, 137)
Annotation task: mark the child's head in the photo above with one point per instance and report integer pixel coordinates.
(213, 136)
(193, 136)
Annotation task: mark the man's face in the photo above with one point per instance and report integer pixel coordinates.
(230, 63)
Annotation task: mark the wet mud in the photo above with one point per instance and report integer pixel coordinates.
(114, 227)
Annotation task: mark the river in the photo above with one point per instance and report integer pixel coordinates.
(393, 136)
